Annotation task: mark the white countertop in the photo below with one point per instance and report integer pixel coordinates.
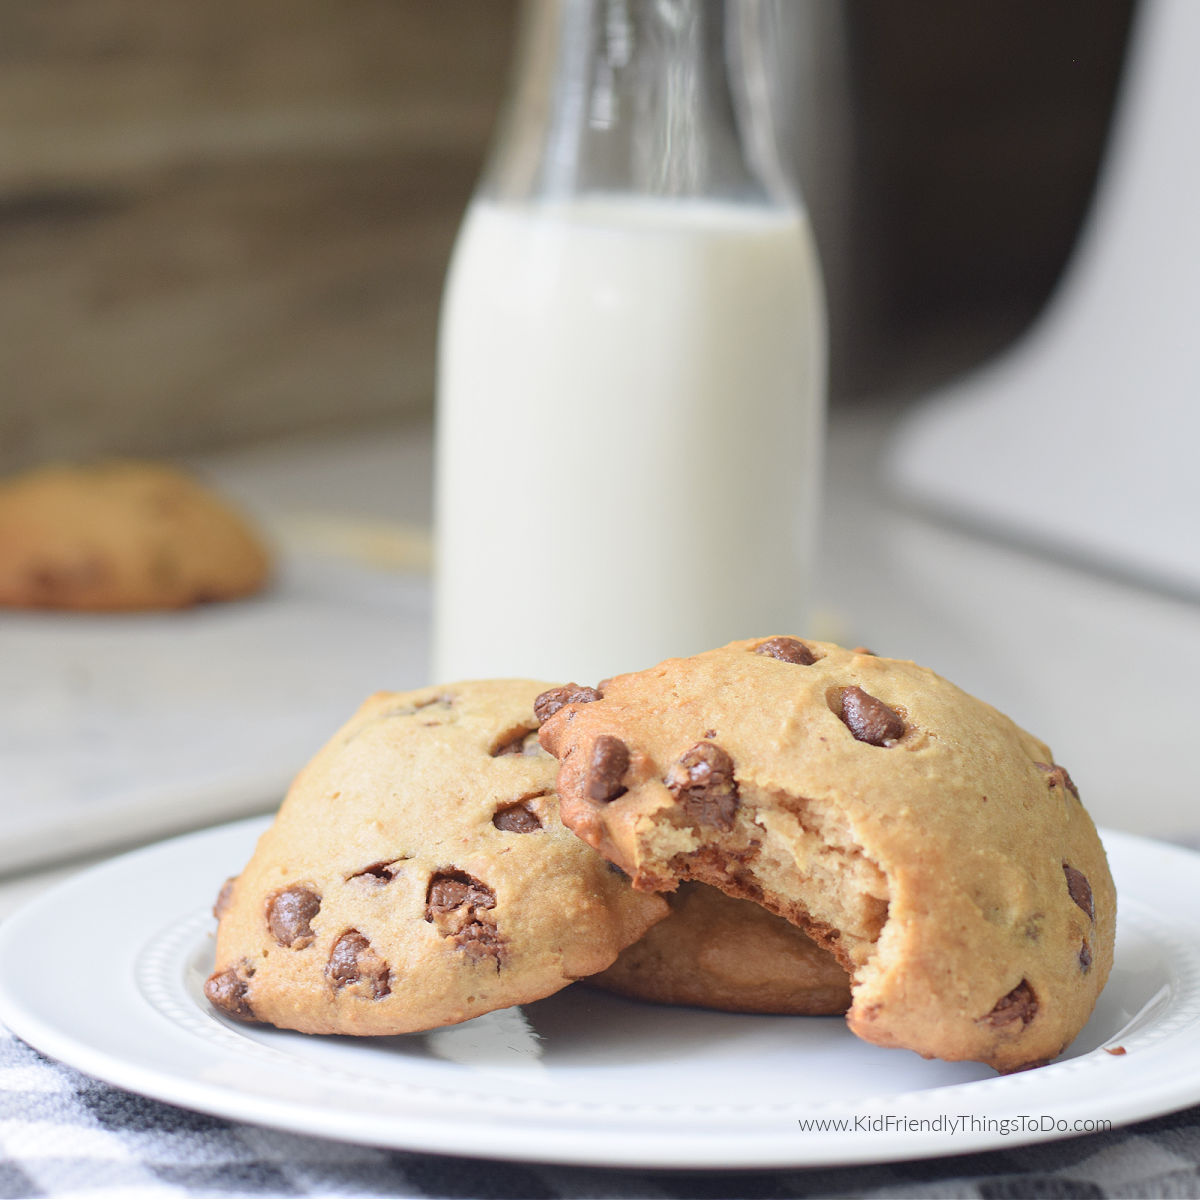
(1099, 668)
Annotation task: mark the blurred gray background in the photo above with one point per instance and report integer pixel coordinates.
(220, 223)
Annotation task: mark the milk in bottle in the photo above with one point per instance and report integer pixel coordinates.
(631, 364)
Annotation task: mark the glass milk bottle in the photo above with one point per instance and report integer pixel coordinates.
(631, 371)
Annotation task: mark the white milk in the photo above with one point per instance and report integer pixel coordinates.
(630, 409)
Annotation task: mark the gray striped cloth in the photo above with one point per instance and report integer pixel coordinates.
(63, 1134)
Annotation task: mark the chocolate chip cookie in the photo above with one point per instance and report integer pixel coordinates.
(122, 536)
(417, 874)
(715, 951)
(930, 843)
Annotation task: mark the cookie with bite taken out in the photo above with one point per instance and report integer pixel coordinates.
(913, 830)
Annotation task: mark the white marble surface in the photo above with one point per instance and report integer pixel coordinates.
(117, 727)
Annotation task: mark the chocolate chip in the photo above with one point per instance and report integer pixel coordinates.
(788, 650)
(353, 960)
(289, 916)
(517, 818)
(224, 898)
(453, 889)
(1057, 777)
(1085, 957)
(703, 784)
(1080, 889)
(459, 905)
(869, 719)
(479, 940)
(63, 576)
(1019, 1005)
(512, 742)
(610, 761)
(441, 702)
(228, 991)
(382, 872)
(548, 703)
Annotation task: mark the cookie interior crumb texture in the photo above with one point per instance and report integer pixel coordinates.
(123, 536)
(932, 845)
(417, 874)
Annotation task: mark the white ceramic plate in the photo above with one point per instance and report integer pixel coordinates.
(122, 950)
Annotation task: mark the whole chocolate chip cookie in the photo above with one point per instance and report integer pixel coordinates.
(715, 951)
(915, 831)
(417, 874)
(122, 536)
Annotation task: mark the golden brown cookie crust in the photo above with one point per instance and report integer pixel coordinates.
(715, 951)
(122, 536)
(917, 832)
(417, 875)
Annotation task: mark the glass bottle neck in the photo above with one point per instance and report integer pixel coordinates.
(662, 98)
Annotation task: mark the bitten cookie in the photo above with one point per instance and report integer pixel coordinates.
(122, 536)
(715, 951)
(919, 834)
(417, 875)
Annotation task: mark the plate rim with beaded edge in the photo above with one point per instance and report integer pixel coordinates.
(582, 1077)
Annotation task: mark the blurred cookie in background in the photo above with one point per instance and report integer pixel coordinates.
(123, 535)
